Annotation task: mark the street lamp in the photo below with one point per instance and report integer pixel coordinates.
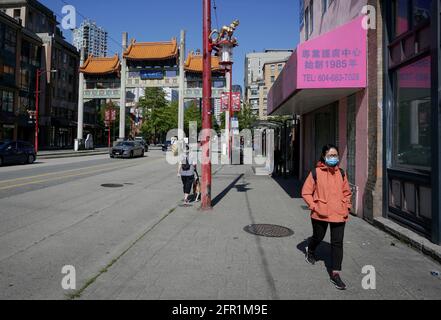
(224, 44)
(37, 95)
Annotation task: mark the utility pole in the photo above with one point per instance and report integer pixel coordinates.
(206, 114)
(37, 102)
(79, 141)
(122, 107)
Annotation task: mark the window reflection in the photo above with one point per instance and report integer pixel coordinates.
(401, 16)
(413, 115)
(421, 12)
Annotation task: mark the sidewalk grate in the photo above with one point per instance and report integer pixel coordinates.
(269, 231)
(112, 185)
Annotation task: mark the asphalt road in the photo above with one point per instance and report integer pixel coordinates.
(17, 179)
(56, 213)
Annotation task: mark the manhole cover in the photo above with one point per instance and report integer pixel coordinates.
(112, 185)
(268, 230)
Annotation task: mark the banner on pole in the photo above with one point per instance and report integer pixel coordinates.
(225, 99)
(236, 102)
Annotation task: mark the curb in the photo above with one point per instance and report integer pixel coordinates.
(409, 237)
(71, 155)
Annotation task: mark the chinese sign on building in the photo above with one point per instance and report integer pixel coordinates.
(334, 60)
(151, 74)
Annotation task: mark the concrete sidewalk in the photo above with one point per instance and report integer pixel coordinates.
(191, 254)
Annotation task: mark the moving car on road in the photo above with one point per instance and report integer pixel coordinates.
(127, 149)
(16, 152)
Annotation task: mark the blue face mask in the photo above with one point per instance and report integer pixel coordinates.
(332, 162)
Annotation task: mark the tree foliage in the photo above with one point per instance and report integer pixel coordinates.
(160, 116)
(246, 117)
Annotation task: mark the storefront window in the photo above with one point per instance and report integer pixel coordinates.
(409, 14)
(413, 115)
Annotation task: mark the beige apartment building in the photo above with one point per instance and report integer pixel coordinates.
(271, 71)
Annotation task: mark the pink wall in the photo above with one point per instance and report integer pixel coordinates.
(338, 13)
(342, 131)
(361, 157)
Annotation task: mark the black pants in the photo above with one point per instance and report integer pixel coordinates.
(188, 183)
(337, 236)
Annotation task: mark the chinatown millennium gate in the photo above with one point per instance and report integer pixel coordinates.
(143, 65)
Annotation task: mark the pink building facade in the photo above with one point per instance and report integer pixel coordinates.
(331, 83)
(365, 77)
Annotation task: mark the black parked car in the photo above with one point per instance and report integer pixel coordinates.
(16, 152)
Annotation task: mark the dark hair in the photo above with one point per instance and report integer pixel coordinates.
(326, 149)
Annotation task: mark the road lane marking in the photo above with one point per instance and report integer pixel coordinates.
(58, 172)
(67, 176)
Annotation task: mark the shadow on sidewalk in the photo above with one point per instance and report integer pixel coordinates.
(291, 186)
(323, 253)
(240, 188)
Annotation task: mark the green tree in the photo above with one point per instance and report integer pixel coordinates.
(246, 117)
(154, 98)
(158, 115)
(159, 121)
(216, 127)
(280, 119)
(222, 121)
(192, 113)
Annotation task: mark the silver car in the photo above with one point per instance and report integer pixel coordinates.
(127, 149)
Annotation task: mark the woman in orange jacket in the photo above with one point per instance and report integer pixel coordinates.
(328, 195)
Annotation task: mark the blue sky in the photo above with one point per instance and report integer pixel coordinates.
(265, 24)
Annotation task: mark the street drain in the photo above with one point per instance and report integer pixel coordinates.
(112, 185)
(269, 231)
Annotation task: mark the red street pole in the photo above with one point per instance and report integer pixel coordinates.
(206, 112)
(230, 108)
(37, 108)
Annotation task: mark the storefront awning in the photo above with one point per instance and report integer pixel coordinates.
(321, 71)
